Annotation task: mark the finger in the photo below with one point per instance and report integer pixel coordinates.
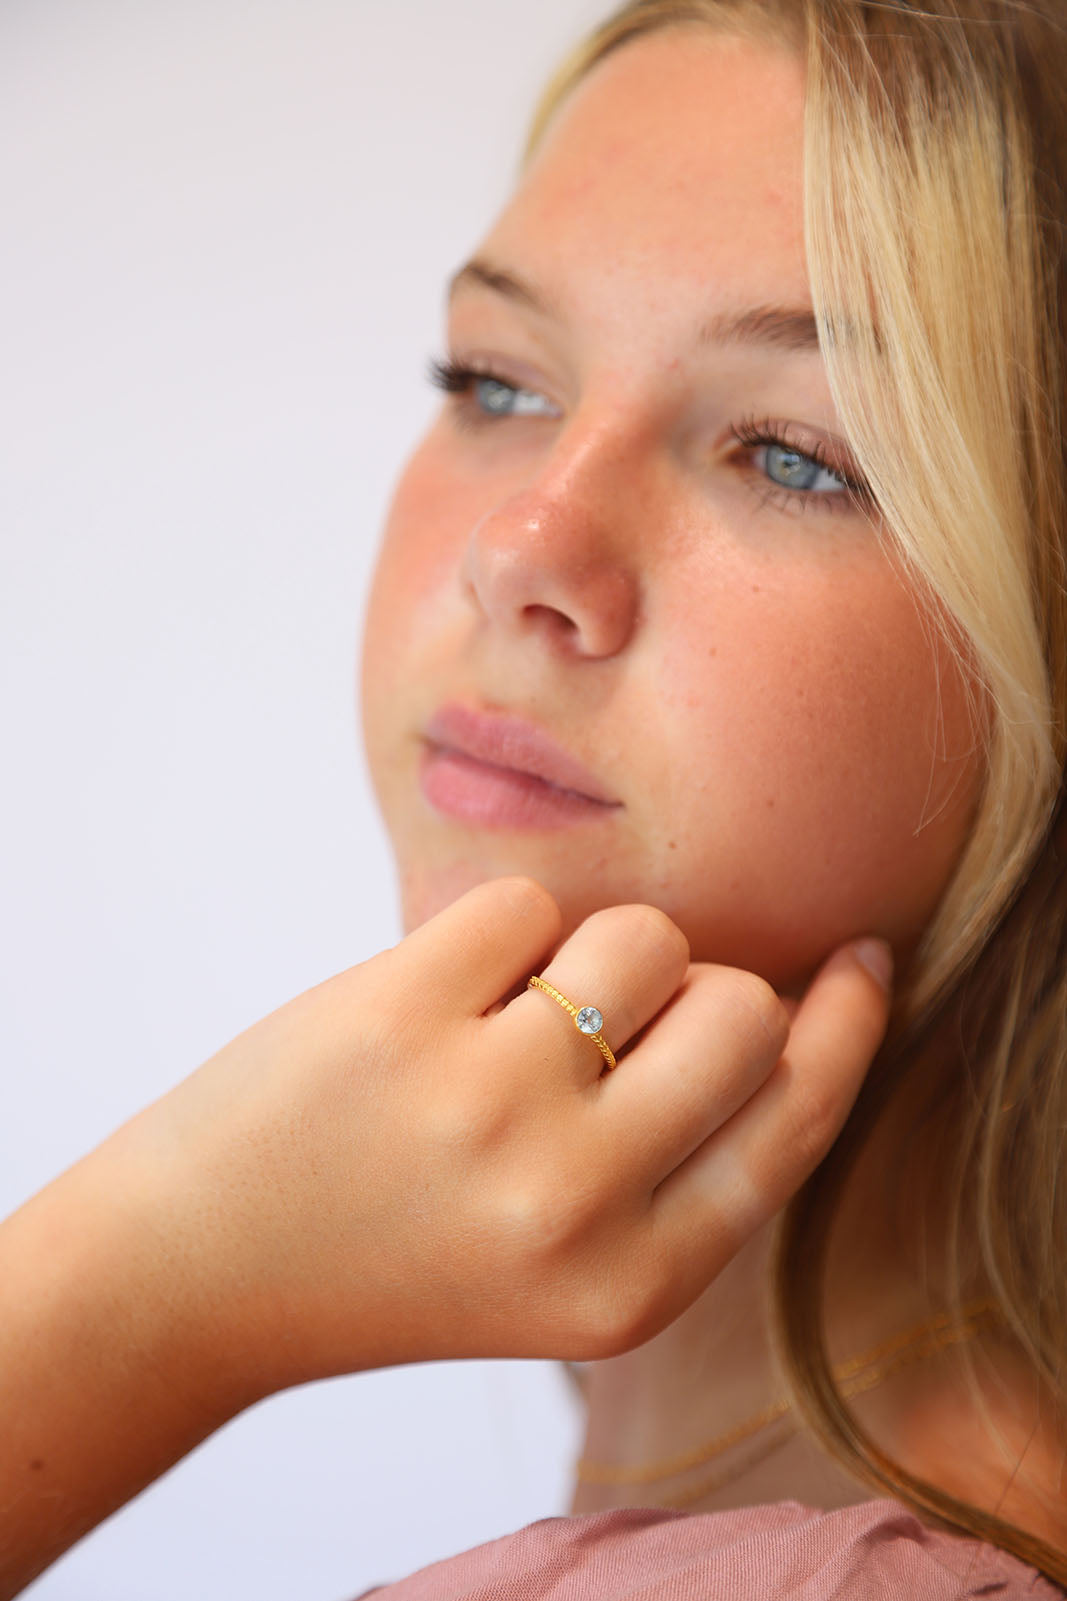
(750, 1166)
(483, 944)
(708, 1051)
(626, 961)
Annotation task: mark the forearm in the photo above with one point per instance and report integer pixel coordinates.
(108, 1370)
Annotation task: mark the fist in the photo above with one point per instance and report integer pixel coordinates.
(422, 1158)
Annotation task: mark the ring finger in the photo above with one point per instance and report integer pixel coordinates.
(625, 962)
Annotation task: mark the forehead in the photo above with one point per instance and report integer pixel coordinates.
(678, 159)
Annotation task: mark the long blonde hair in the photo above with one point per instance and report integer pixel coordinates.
(935, 217)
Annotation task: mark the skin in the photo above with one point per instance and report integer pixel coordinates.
(751, 679)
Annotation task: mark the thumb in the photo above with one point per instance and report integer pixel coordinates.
(840, 1023)
(876, 955)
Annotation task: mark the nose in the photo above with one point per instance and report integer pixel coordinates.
(554, 559)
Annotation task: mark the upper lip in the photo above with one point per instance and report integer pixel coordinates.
(506, 741)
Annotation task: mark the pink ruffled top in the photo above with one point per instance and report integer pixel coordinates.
(778, 1552)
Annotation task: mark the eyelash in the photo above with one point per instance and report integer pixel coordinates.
(455, 378)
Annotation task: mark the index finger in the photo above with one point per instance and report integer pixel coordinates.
(469, 954)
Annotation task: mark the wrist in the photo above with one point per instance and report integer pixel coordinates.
(159, 1240)
(114, 1362)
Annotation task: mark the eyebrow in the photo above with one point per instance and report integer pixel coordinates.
(791, 328)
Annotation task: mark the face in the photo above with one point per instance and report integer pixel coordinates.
(637, 536)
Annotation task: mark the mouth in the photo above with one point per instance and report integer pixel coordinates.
(493, 769)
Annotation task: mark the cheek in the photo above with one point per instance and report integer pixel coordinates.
(417, 554)
(414, 580)
(412, 600)
(812, 716)
(835, 697)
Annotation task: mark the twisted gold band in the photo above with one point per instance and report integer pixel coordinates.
(587, 1020)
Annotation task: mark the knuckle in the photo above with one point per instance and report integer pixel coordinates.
(661, 933)
(600, 1327)
(526, 897)
(523, 1217)
(599, 1299)
(619, 1310)
(646, 927)
(546, 1221)
(446, 1127)
(464, 1122)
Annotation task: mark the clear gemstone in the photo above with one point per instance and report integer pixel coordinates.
(589, 1020)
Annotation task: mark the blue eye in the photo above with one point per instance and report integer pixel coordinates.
(792, 469)
(493, 396)
(800, 479)
(501, 399)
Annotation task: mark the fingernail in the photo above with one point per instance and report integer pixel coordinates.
(877, 958)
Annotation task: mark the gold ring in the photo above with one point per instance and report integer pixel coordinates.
(587, 1020)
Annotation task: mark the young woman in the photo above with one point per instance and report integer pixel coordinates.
(715, 678)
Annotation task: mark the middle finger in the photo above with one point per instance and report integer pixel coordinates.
(702, 1059)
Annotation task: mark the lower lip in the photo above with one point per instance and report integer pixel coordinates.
(480, 793)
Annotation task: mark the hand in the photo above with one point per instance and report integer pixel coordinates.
(422, 1159)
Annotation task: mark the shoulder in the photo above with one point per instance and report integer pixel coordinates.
(792, 1552)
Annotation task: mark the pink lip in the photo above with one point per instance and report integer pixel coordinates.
(500, 772)
(511, 743)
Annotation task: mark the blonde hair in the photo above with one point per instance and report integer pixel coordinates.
(935, 211)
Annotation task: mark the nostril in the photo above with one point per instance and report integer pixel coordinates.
(551, 618)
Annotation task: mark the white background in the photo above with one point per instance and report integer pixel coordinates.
(225, 228)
